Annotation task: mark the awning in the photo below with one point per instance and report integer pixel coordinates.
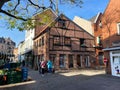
(28, 52)
(111, 49)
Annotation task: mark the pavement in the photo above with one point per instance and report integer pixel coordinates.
(68, 80)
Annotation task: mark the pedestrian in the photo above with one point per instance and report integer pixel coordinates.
(49, 66)
(39, 67)
(43, 67)
(23, 63)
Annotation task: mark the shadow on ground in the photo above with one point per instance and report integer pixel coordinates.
(70, 80)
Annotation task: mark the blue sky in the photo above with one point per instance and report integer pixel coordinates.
(89, 9)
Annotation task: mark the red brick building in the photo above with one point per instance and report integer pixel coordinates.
(97, 28)
(63, 42)
(108, 28)
(111, 35)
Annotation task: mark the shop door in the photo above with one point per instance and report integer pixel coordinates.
(52, 58)
(79, 61)
(87, 61)
(62, 60)
(100, 57)
(115, 65)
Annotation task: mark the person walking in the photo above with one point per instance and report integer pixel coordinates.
(39, 67)
(43, 67)
(49, 66)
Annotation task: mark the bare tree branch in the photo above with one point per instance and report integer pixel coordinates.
(52, 4)
(36, 5)
(2, 2)
(16, 5)
(17, 17)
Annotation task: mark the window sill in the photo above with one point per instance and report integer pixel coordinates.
(58, 45)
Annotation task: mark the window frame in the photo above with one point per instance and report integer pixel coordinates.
(56, 40)
(42, 41)
(66, 42)
(118, 28)
(82, 41)
(61, 23)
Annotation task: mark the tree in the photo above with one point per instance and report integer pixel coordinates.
(19, 13)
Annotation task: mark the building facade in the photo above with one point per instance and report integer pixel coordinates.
(111, 37)
(93, 27)
(106, 29)
(107, 33)
(29, 35)
(15, 53)
(97, 28)
(21, 51)
(65, 43)
(6, 48)
(25, 49)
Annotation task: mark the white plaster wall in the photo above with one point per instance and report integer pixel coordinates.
(85, 24)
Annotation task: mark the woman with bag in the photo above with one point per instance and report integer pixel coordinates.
(43, 63)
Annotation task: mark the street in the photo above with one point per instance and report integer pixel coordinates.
(69, 80)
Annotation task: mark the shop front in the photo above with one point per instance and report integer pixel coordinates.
(115, 62)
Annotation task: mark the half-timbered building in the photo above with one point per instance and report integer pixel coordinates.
(62, 41)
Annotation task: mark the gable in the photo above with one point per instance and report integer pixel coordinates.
(85, 24)
(71, 29)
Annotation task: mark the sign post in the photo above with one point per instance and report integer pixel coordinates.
(105, 60)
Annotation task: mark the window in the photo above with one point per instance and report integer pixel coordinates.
(100, 24)
(98, 39)
(82, 42)
(1, 47)
(56, 40)
(8, 43)
(61, 23)
(67, 41)
(42, 40)
(107, 43)
(35, 44)
(118, 28)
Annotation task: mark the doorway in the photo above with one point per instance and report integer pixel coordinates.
(100, 58)
(70, 61)
(52, 58)
(87, 61)
(62, 60)
(79, 61)
(115, 63)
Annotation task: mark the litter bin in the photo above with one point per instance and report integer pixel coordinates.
(24, 73)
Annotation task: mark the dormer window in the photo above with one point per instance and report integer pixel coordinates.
(118, 28)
